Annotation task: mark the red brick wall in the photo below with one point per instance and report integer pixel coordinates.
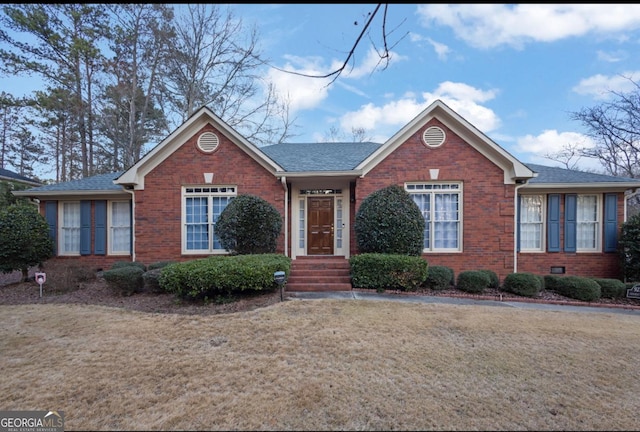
(600, 264)
(488, 206)
(158, 206)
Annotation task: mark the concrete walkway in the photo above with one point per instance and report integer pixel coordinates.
(359, 295)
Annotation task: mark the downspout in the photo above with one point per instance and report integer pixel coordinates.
(283, 180)
(133, 223)
(515, 224)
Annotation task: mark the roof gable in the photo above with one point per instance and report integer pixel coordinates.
(134, 176)
(512, 167)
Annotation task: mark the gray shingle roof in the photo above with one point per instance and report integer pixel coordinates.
(561, 175)
(100, 182)
(10, 175)
(304, 157)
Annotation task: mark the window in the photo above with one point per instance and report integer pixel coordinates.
(202, 208)
(70, 228)
(531, 223)
(587, 223)
(440, 205)
(120, 227)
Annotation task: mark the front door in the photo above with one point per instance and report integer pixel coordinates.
(320, 225)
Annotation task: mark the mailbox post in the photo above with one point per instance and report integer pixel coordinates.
(280, 279)
(41, 278)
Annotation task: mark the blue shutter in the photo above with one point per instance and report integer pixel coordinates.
(553, 223)
(570, 222)
(518, 223)
(85, 227)
(611, 222)
(51, 216)
(100, 230)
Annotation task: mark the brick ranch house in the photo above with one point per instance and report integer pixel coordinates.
(483, 207)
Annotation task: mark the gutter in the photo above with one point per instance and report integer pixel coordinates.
(133, 222)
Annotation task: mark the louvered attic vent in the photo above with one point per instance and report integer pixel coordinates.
(433, 136)
(208, 142)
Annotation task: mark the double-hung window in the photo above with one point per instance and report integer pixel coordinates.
(69, 223)
(441, 206)
(120, 227)
(531, 222)
(202, 207)
(587, 223)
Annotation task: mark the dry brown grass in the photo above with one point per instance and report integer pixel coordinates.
(323, 365)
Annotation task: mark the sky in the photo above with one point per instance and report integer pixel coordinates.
(516, 72)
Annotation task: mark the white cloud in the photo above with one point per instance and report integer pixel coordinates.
(491, 25)
(600, 86)
(301, 92)
(384, 121)
(441, 50)
(611, 57)
(536, 149)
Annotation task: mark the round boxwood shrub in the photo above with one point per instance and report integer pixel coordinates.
(439, 278)
(629, 248)
(524, 284)
(577, 287)
(611, 288)
(494, 280)
(389, 222)
(473, 281)
(249, 225)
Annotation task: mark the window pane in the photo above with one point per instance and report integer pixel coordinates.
(587, 222)
(424, 204)
(531, 222)
(197, 229)
(70, 227)
(120, 227)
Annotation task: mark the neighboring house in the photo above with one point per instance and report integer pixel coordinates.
(484, 208)
(10, 176)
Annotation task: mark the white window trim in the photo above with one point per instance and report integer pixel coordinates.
(110, 227)
(61, 250)
(543, 244)
(599, 217)
(183, 215)
(459, 191)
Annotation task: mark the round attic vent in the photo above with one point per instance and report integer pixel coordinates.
(208, 142)
(433, 136)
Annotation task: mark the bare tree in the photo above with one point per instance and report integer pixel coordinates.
(615, 127)
(358, 134)
(215, 62)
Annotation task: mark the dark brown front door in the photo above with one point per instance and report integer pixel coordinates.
(320, 226)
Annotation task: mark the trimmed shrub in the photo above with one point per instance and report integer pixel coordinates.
(249, 225)
(151, 281)
(439, 278)
(122, 264)
(494, 280)
(611, 288)
(388, 271)
(223, 275)
(524, 284)
(159, 264)
(579, 288)
(125, 279)
(473, 281)
(389, 222)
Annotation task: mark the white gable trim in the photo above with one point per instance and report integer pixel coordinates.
(135, 175)
(513, 168)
